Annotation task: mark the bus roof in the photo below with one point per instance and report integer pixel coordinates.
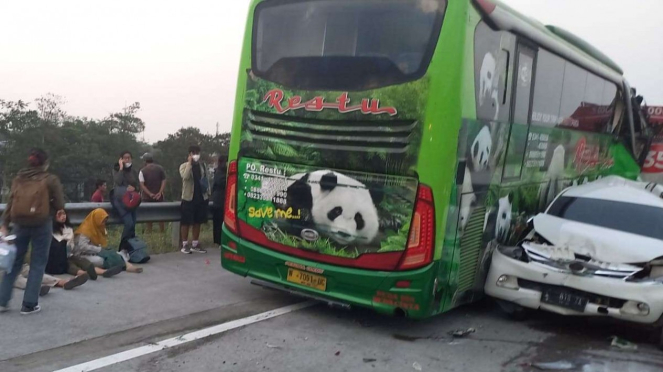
(555, 39)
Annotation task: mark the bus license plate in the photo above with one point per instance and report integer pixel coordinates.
(564, 299)
(310, 280)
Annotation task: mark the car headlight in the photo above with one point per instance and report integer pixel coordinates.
(508, 282)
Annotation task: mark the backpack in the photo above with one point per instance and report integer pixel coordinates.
(204, 181)
(136, 249)
(31, 200)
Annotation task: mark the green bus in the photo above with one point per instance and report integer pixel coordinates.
(381, 149)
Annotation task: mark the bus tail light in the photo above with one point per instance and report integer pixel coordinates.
(421, 240)
(230, 213)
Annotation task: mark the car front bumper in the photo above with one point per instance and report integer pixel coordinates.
(524, 283)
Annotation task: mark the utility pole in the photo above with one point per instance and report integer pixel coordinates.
(217, 128)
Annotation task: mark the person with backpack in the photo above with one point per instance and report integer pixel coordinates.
(34, 199)
(195, 196)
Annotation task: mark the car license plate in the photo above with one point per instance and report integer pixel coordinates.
(564, 299)
(310, 280)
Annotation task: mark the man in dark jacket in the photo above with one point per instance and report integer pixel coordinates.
(36, 196)
(125, 180)
(153, 184)
(219, 196)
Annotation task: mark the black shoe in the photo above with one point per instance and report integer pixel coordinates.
(30, 310)
(91, 273)
(43, 291)
(198, 250)
(76, 282)
(113, 271)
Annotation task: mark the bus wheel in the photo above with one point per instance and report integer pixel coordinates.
(514, 311)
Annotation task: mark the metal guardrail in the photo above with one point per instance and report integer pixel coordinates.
(147, 212)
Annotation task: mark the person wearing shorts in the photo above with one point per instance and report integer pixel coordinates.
(195, 200)
(152, 180)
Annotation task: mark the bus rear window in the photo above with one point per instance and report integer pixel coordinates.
(345, 44)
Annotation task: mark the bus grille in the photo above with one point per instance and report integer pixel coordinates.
(470, 249)
(393, 136)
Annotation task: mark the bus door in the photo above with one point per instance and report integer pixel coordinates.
(480, 153)
(520, 114)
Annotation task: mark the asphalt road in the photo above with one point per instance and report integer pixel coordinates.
(180, 294)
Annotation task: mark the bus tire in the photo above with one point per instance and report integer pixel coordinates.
(514, 311)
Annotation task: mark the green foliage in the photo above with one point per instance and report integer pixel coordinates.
(83, 150)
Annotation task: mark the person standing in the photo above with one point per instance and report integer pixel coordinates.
(195, 195)
(125, 180)
(219, 196)
(152, 184)
(100, 192)
(35, 197)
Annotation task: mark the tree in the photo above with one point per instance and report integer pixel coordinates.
(81, 150)
(49, 108)
(126, 121)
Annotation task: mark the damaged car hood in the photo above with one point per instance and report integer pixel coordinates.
(596, 242)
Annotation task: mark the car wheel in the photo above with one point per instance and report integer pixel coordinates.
(513, 311)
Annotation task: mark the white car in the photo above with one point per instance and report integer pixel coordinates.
(596, 251)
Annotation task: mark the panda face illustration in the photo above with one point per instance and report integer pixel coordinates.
(341, 207)
(487, 77)
(503, 221)
(481, 149)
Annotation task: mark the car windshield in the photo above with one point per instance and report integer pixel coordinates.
(632, 218)
(345, 44)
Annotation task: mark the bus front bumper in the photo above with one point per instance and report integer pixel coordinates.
(343, 285)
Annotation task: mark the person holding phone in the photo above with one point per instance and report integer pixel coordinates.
(125, 180)
(195, 196)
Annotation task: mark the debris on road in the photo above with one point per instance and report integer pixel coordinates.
(369, 360)
(338, 353)
(561, 365)
(416, 366)
(273, 346)
(623, 344)
(460, 333)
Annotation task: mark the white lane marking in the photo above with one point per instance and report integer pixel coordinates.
(179, 340)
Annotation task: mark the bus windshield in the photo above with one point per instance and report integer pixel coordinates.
(346, 44)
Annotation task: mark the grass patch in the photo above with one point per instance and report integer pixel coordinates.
(324, 246)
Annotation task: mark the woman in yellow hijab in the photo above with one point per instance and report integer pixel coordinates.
(90, 241)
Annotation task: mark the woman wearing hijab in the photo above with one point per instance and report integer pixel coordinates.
(61, 259)
(90, 239)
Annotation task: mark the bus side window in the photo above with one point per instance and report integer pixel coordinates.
(523, 82)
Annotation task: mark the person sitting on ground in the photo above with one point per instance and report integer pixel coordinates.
(100, 191)
(49, 282)
(61, 259)
(90, 239)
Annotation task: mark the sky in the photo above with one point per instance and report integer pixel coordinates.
(180, 59)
